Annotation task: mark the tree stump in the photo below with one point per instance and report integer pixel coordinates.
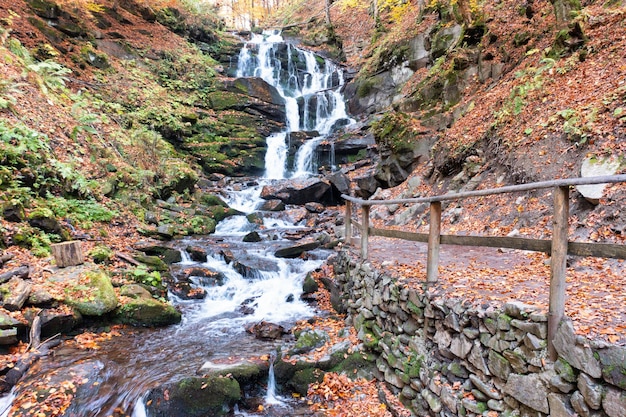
(68, 253)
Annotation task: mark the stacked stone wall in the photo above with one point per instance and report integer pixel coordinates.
(448, 357)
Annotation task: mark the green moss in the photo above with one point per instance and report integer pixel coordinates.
(101, 254)
(147, 312)
(95, 298)
(394, 130)
(412, 365)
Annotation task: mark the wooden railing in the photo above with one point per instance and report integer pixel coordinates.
(558, 247)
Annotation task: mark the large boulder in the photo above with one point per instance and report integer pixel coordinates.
(138, 308)
(301, 191)
(92, 293)
(593, 167)
(253, 95)
(194, 397)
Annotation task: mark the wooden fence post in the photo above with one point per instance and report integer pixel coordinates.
(348, 223)
(365, 226)
(434, 239)
(558, 265)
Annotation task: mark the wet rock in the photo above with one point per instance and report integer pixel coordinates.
(272, 205)
(296, 250)
(309, 285)
(58, 321)
(196, 253)
(187, 291)
(250, 266)
(313, 207)
(248, 306)
(147, 312)
(262, 97)
(252, 237)
(203, 275)
(302, 191)
(194, 397)
(245, 372)
(265, 330)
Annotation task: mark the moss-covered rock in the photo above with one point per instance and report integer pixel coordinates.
(301, 380)
(147, 312)
(309, 340)
(194, 397)
(154, 263)
(244, 372)
(92, 294)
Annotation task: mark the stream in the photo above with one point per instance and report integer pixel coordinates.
(127, 366)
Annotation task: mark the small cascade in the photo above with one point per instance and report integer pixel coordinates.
(311, 87)
(270, 396)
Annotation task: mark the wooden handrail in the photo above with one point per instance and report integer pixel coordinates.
(559, 247)
(608, 179)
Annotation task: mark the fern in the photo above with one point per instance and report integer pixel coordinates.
(52, 75)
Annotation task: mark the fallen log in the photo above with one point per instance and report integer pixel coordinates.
(127, 258)
(21, 272)
(19, 290)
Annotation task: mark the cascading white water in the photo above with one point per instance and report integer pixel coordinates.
(311, 87)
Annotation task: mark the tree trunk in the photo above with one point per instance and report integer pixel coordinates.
(327, 10)
(68, 253)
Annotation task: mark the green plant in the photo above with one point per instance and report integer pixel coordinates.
(82, 213)
(101, 254)
(9, 88)
(85, 120)
(34, 239)
(51, 75)
(141, 275)
(531, 79)
(577, 125)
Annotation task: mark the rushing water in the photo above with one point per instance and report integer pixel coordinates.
(126, 367)
(311, 87)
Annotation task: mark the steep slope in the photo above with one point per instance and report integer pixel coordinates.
(480, 94)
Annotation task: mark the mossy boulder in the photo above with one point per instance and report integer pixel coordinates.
(92, 294)
(154, 263)
(309, 286)
(309, 340)
(44, 219)
(244, 372)
(357, 365)
(301, 380)
(147, 312)
(194, 397)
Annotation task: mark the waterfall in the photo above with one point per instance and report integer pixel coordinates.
(270, 396)
(311, 87)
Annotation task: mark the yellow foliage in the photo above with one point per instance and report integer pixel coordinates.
(353, 4)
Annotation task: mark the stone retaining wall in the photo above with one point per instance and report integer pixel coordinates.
(446, 357)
